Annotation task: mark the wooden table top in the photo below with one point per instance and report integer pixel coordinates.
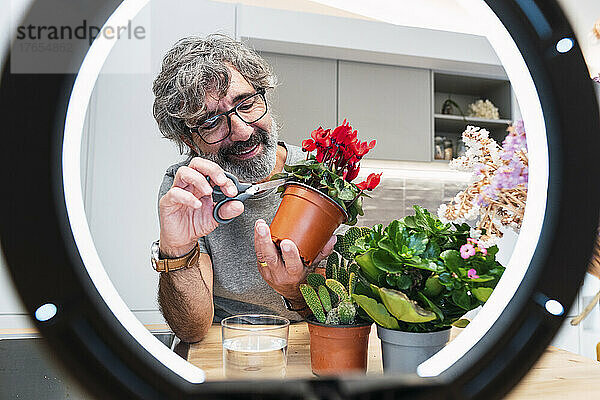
(558, 374)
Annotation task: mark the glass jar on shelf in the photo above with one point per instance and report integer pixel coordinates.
(448, 149)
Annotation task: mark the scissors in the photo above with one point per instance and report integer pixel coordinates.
(245, 191)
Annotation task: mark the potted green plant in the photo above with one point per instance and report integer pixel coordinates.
(319, 194)
(339, 336)
(417, 278)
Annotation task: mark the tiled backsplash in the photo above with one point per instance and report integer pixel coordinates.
(394, 198)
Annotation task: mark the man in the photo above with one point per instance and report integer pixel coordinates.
(209, 99)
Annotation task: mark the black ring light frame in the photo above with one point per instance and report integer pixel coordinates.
(46, 266)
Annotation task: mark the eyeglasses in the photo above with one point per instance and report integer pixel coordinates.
(249, 110)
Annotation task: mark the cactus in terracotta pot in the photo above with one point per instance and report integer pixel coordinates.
(339, 331)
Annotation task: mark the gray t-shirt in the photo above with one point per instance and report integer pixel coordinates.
(238, 286)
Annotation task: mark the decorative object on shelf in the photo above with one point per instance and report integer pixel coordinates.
(438, 153)
(338, 336)
(448, 149)
(319, 194)
(483, 109)
(448, 107)
(420, 276)
(498, 193)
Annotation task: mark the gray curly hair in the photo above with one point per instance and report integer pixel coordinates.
(193, 67)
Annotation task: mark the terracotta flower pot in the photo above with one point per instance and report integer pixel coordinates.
(308, 218)
(336, 349)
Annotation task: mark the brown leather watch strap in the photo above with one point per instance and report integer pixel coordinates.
(174, 264)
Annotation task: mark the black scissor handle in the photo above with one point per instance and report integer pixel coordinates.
(222, 199)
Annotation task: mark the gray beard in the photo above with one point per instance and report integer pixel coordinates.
(255, 169)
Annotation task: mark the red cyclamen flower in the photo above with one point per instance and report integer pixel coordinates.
(371, 182)
(361, 148)
(322, 137)
(352, 172)
(339, 134)
(308, 145)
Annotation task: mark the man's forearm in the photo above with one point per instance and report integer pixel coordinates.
(186, 300)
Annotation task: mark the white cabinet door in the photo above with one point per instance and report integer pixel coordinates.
(390, 104)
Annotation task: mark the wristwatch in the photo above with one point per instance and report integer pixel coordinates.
(288, 306)
(173, 264)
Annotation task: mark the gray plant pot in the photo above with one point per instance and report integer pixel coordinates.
(402, 352)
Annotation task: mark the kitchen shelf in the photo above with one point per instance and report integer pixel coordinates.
(457, 123)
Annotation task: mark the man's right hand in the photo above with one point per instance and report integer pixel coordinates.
(186, 210)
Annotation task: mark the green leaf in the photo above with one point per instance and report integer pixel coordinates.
(462, 299)
(384, 261)
(432, 250)
(482, 293)
(431, 306)
(403, 308)
(418, 243)
(482, 278)
(376, 311)
(461, 323)
(403, 282)
(346, 194)
(433, 287)
(452, 260)
(281, 175)
(388, 245)
(409, 222)
(368, 267)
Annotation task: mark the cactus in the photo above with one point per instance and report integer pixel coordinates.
(343, 277)
(315, 280)
(337, 288)
(347, 312)
(352, 283)
(325, 298)
(332, 262)
(333, 317)
(313, 302)
(348, 240)
(329, 298)
(338, 244)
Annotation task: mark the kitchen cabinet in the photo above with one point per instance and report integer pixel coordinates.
(305, 97)
(389, 103)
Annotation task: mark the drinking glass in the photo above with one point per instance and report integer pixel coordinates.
(255, 346)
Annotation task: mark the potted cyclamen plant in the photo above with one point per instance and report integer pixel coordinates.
(417, 278)
(339, 337)
(319, 194)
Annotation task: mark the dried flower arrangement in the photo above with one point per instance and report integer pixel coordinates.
(498, 194)
(484, 109)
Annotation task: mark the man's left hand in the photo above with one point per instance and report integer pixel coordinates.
(283, 271)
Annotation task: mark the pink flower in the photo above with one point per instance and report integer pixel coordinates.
(472, 274)
(483, 250)
(467, 250)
